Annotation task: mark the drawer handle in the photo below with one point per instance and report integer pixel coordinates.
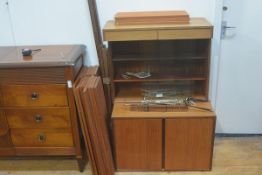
(34, 96)
(41, 138)
(38, 118)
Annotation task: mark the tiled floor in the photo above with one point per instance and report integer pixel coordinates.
(232, 156)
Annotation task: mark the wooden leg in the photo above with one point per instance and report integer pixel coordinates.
(81, 164)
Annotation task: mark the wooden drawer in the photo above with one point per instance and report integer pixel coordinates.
(34, 95)
(185, 34)
(130, 35)
(42, 137)
(38, 118)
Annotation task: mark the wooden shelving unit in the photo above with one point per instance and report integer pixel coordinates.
(178, 58)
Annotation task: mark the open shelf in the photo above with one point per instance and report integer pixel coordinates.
(177, 64)
(134, 95)
(120, 58)
(159, 78)
(134, 92)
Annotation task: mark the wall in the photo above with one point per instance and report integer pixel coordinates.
(68, 21)
(50, 22)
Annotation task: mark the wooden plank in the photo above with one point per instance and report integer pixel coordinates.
(98, 108)
(189, 144)
(92, 112)
(85, 129)
(138, 144)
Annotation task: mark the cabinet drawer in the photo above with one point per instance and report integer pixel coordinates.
(185, 34)
(130, 35)
(38, 118)
(42, 137)
(34, 95)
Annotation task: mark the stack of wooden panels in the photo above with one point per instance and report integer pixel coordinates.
(153, 17)
(92, 114)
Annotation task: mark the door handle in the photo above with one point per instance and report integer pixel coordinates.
(224, 29)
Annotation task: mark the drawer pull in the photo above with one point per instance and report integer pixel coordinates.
(41, 138)
(34, 96)
(38, 118)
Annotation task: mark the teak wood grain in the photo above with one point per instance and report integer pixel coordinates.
(38, 118)
(138, 144)
(189, 143)
(51, 137)
(48, 95)
(5, 140)
(93, 113)
(198, 28)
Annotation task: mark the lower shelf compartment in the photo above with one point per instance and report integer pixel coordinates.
(163, 141)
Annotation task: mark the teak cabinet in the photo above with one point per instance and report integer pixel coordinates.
(37, 108)
(178, 58)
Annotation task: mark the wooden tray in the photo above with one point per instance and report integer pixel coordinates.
(152, 17)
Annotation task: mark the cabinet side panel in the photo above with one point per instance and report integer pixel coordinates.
(189, 144)
(138, 144)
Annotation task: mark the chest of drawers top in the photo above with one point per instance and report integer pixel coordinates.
(52, 64)
(47, 56)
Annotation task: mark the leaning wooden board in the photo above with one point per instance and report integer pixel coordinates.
(92, 113)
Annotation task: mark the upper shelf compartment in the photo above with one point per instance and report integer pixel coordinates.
(159, 50)
(198, 28)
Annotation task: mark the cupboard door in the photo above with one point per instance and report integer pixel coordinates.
(138, 144)
(189, 143)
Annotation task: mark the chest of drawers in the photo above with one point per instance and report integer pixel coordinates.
(37, 108)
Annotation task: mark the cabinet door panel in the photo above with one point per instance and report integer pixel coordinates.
(138, 144)
(189, 143)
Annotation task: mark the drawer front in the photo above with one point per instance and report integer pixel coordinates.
(38, 118)
(185, 34)
(34, 95)
(130, 35)
(42, 137)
